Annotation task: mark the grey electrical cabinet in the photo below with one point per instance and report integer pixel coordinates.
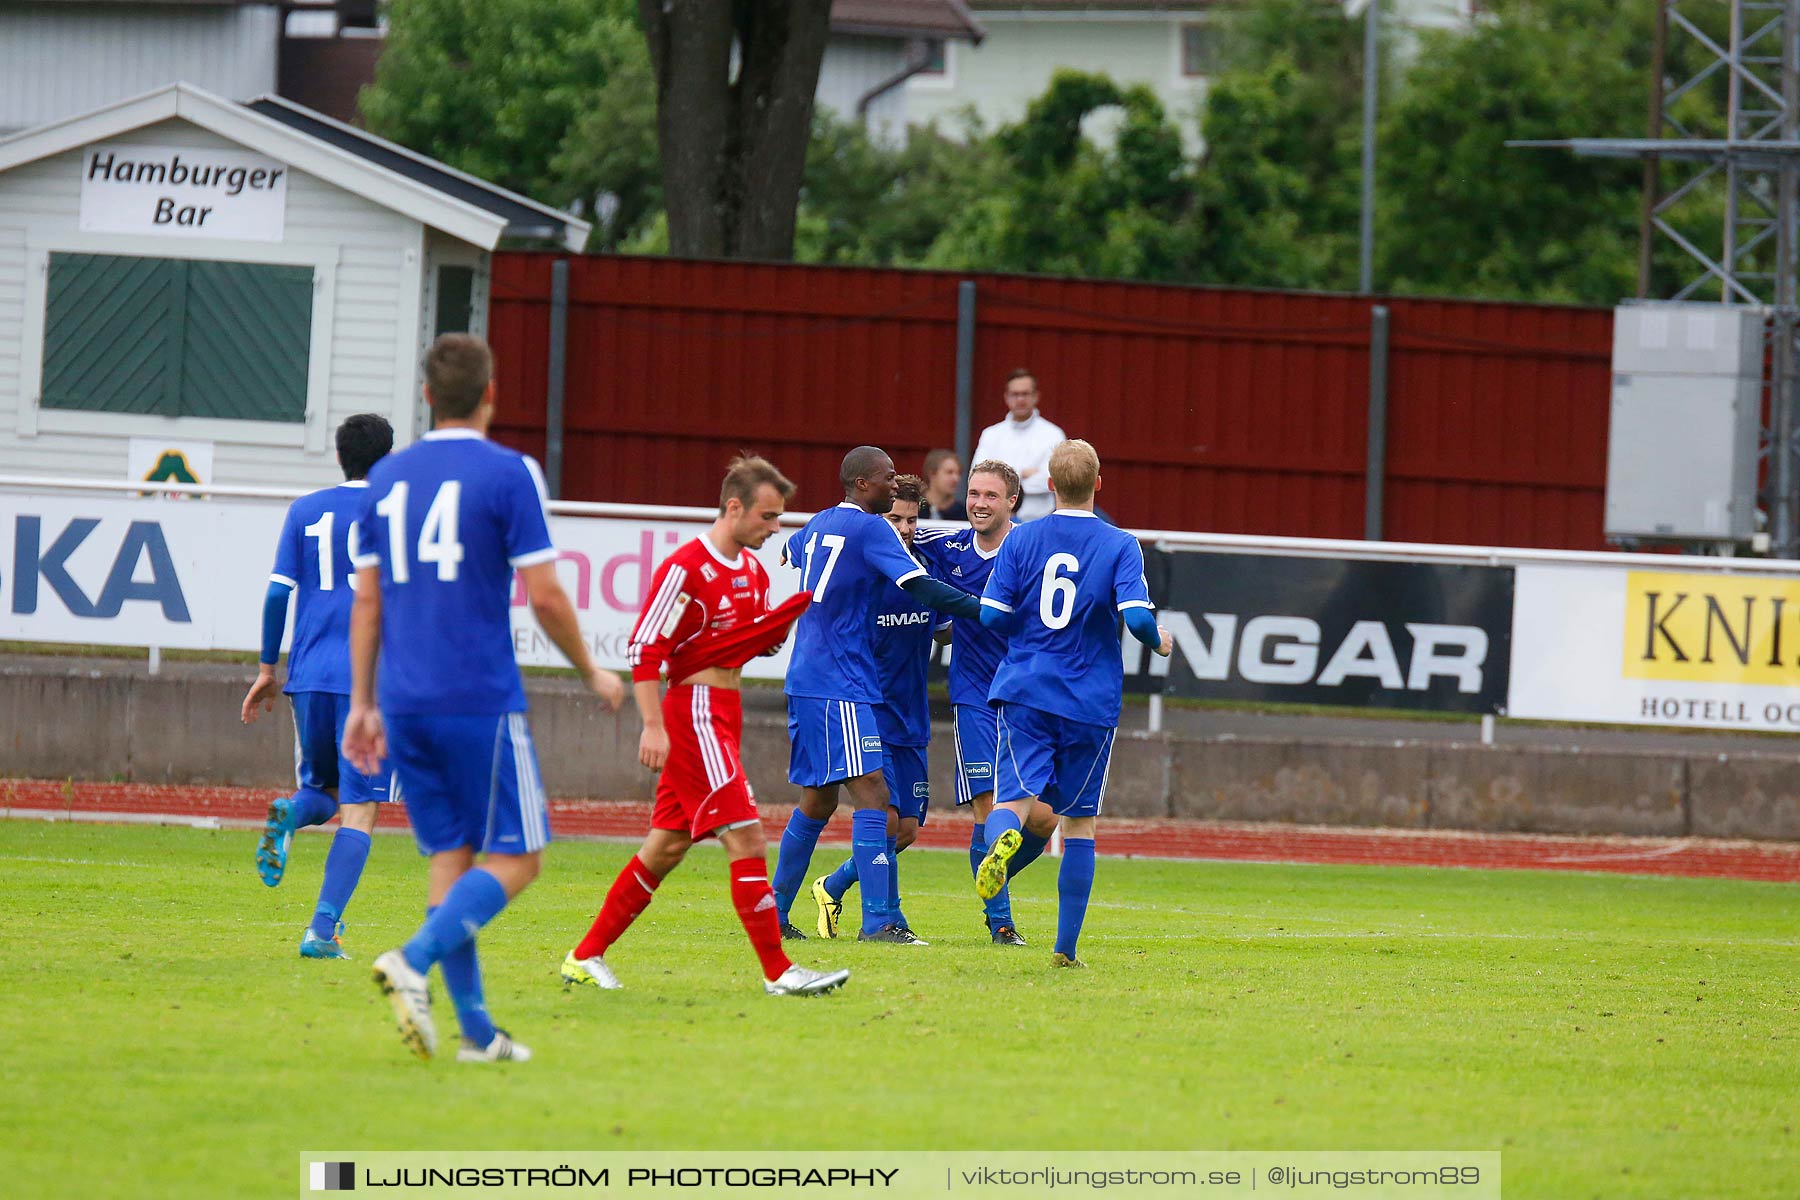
(1686, 415)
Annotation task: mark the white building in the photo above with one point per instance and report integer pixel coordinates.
(184, 269)
(1169, 45)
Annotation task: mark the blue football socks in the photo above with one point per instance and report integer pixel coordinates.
(869, 847)
(998, 910)
(474, 900)
(343, 869)
(797, 842)
(1074, 883)
(310, 806)
(893, 904)
(1030, 847)
(462, 979)
(999, 821)
(842, 879)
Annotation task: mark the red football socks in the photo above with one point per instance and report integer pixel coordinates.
(630, 895)
(754, 900)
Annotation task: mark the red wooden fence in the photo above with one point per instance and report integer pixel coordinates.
(1213, 409)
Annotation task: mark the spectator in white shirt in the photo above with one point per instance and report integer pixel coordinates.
(1024, 441)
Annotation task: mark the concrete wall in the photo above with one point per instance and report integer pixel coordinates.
(108, 719)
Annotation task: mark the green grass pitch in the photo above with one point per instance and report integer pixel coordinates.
(1613, 1036)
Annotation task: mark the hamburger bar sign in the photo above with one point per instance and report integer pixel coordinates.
(183, 192)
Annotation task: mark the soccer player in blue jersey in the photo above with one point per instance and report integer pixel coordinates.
(1058, 589)
(966, 558)
(903, 633)
(845, 555)
(312, 564)
(445, 524)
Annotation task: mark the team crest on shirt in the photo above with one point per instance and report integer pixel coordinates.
(871, 745)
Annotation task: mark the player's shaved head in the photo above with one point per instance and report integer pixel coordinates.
(864, 462)
(1074, 469)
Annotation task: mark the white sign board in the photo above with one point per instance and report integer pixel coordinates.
(169, 460)
(146, 572)
(1636, 647)
(183, 192)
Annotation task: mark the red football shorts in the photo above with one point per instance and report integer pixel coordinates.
(702, 786)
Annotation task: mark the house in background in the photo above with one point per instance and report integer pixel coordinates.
(63, 57)
(1170, 45)
(878, 48)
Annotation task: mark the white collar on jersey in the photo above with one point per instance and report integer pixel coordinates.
(444, 435)
(847, 504)
(354, 483)
(1075, 512)
(731, 563)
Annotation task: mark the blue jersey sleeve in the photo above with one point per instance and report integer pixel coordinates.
(1130, 588)
(287, 553)
(525, 517)
(885, 551)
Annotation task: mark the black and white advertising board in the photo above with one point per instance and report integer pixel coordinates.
(1329, 631)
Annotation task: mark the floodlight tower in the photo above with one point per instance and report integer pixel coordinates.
(1724, 125)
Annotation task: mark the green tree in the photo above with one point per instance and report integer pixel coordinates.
(507, 90)
(1461, 214)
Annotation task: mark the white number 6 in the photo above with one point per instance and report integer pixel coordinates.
(1056, 602)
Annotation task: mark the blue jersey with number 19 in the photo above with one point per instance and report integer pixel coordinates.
(1066, 577)
(313, 557)
(447, 520)
(844, 556)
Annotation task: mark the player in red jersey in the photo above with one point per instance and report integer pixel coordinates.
(707, 615)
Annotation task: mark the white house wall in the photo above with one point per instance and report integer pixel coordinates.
(60, 59)
(371, 262)
(1003, 75)
(852, 67)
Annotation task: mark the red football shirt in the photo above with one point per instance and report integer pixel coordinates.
(697, 593)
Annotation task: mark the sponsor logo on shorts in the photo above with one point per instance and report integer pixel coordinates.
(871, 744)
(979, 770)
(921, 791)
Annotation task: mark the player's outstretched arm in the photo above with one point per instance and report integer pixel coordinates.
(550, 604)
(365, 742)
(939, 595)
(1142, 624)
(261, 698)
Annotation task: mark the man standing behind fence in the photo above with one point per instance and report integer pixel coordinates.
(1024, 441)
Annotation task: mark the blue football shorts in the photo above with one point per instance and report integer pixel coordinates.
(830, 741)
(976, 734)
(469, 781)
(319, 760)
(908, 780)
(1064, 763)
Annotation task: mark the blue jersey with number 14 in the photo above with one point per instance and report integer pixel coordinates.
(1066, 578)
(313, 557)
(447, 520)
(845, 557)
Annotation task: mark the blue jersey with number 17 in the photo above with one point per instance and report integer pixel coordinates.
(845, 557)
(447, 520)
(313, 558)
(1066, 577)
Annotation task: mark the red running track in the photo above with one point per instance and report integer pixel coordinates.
(1777, 862)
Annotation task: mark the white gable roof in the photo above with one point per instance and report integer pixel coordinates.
(300, 151)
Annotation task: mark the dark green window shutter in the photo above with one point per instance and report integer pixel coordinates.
(112, 334)
(249, 337)
(177, 337)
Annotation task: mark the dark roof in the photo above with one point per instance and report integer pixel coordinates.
(946, 19)
(524, 218)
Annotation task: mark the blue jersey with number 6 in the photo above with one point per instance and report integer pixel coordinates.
(1066, 578)
(313, 557)
(448, 520)
(846, 557)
